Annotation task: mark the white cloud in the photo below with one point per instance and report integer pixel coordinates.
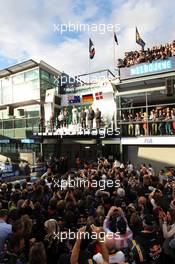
(27, 30)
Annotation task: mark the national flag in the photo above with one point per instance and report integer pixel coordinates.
(88, 98)
(91, 49)
(99, 96)
(139, 40)
(115, 38)
(73, 99)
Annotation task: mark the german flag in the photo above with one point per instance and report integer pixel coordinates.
(87, 98)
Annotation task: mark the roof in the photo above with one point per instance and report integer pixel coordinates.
(18, 68)
(25, 66)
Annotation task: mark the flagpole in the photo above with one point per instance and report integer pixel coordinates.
(89, 70)
(114, 48)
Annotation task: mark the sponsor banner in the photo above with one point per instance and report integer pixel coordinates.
(145, 69)
(9, 174)
(169, 140)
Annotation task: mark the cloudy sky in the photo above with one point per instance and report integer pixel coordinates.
(32, 29)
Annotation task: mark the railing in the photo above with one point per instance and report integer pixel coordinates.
(147, 127)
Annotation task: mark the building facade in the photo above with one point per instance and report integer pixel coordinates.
(137, 108)
(23, 92)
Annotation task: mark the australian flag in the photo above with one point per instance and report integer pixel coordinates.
(73, 99)
(139, 40)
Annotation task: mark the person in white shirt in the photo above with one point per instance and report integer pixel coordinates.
(60, 119)
(74, 115)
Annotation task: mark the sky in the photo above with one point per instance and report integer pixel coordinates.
(58, 31)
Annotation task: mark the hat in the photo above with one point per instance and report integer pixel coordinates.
(3, 212)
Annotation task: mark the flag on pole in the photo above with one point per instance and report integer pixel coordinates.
(99, 96)
(139, 40)
(91, 49)
(115, 38)
(87, 98)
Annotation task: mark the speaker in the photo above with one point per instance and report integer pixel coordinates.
(57, 100)
(169, 84)
(10, 111)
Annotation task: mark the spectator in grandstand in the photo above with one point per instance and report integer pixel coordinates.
(137, 125)
(153, 125)
(130, 125)
(149, 55)
(124, 126)
(168, 123)
(160, 124)
(145, 124)
(173, 120)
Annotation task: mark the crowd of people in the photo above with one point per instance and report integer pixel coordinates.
(122, 214)
(156, 122)
(148, 55)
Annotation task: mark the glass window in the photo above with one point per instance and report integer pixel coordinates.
(8, 124)
(6, 91)
(18, 93)
(20, 123)
(31, 75)
(45, 75)
(26, 91)
(32, 122)
(1, 124)
(32, 113)
(19, 78)
(54, 80)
